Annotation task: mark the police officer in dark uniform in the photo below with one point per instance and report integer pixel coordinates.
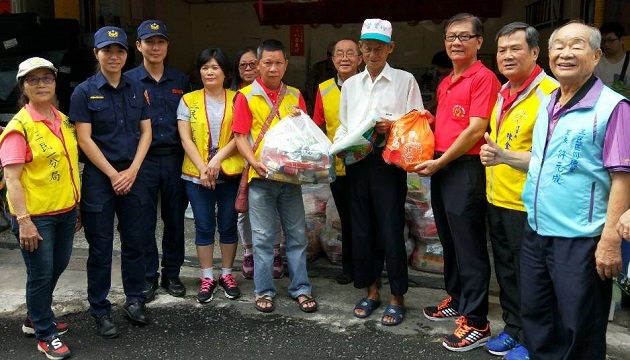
(110, 112)
(163, 162)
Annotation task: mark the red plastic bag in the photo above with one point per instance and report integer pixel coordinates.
(410, 141)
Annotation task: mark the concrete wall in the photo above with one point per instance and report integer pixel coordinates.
(231, 26)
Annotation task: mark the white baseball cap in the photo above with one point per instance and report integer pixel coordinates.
(377, 29)
(33, 63)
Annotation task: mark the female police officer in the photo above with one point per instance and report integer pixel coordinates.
(109, 110)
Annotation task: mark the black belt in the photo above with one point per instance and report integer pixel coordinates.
(120, 165)
(465, 157)
(164, 150)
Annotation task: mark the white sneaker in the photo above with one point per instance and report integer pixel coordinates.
(189, 213)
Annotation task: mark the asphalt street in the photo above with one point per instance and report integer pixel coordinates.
(225, 332)
(181, 328)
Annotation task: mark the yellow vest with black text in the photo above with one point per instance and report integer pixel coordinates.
(504, 184)
(331, 96)
(51, 180)
(260, 107)
(200, 127)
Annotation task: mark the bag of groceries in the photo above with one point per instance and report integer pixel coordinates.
(358, 142)
(410, 141)
(296, 151)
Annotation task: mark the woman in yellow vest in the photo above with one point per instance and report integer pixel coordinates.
(212, 168)
(39, 153)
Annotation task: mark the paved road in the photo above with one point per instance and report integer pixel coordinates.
(227, 332)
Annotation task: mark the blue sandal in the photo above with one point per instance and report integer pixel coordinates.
(367, 305)
(394, 311)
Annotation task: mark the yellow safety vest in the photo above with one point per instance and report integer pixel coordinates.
(200, 126)
(51, 180)
(260, 106)
(331, 96)
(504, 184)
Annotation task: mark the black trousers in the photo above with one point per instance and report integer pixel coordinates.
(506, 234)
(342, 199)
(564, 303)
(377, 220)
(459, 207)
(164, 178)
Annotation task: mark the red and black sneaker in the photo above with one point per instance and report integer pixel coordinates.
(28, 327)
(466, 336)
(442, 312)
(54, 349)
(228, 283)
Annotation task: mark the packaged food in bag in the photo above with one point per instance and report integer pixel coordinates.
(410, 141)
(297, 151)
(358, 142)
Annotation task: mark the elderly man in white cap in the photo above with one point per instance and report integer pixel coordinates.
(377, 190)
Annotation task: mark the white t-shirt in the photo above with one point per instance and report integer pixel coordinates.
(609, 72)
(214, 112)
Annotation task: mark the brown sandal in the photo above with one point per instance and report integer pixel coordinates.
(265, 300)
(303, 304)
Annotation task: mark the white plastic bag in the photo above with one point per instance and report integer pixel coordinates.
(359, 142)
(297, 151)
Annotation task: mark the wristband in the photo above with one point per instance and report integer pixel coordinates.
(21, 218)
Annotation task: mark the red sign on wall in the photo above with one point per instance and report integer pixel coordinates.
(5, 6)
(296, 35)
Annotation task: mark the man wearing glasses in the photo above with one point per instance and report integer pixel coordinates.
(346, 58)
(613, 67)
(377, 190)
(465, 102)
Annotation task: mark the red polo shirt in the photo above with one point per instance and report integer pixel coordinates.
(242, 114)
(473, 93)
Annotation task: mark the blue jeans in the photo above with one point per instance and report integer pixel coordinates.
(45, 265)
(267, 197)
(204, 201)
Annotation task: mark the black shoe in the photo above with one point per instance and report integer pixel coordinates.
(136, 313)
(344, 278)
(106, 327)
(150, 287)
(173, 286)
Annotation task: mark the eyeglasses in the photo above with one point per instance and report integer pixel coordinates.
(609, 40)
(350, 55)
(252, 65)
(461, 37)
(34, 80)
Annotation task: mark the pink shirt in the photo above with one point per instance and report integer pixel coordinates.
(15, 150)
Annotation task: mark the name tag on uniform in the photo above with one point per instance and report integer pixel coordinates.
(97, 97)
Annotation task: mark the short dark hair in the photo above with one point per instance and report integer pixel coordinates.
(236, 76)
(474, 20)
(612, 27)
(345, 39)
(221, 59)
(271, 45)
(531, 34)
